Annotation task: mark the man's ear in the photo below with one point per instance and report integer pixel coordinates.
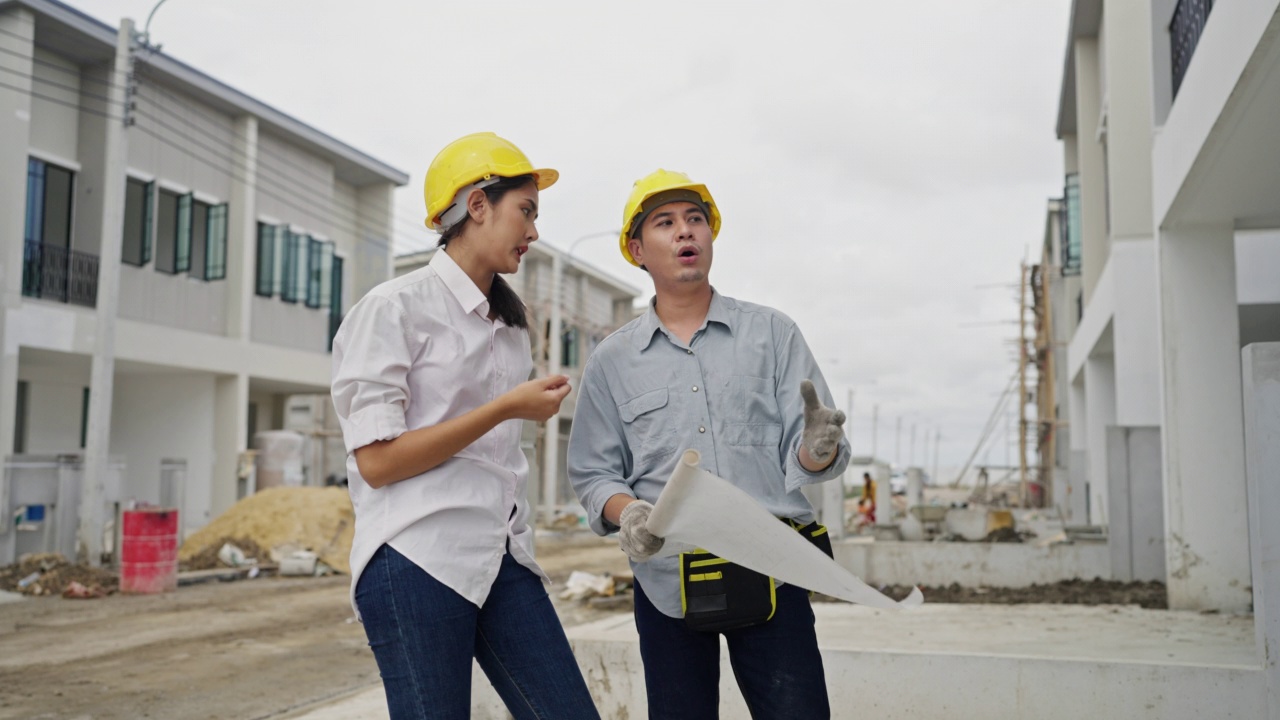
(636, 248)
(477, 205)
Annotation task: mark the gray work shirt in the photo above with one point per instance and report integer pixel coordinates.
(732, 394)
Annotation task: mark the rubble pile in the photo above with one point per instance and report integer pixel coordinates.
(52, 574)
(319, 519)
(1151, 595)
(207, 558)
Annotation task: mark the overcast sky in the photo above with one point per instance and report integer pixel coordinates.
(879, 165)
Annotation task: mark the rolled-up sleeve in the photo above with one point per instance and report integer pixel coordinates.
(796, 364)
(598, 456)
(371, 361)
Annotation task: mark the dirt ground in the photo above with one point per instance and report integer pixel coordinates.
(251, 649)
(269, 647)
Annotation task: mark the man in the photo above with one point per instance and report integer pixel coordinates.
(736, 382)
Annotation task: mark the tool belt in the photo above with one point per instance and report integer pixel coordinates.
(716, 594)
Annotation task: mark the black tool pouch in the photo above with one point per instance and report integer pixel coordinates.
(817, 534)
(719, 595)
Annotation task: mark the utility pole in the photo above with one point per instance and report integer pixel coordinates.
(848, 422)
(1022, 386)
(897, 443)
(937, 440)
(875, 428)
(911, 454)
(97, 459)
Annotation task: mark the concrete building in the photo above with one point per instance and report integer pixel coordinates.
(1172, 154)
(176, 257)
(580, 305)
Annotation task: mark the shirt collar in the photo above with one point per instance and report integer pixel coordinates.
(460, 285)
(718, 312)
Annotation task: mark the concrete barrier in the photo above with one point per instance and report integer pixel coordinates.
(972, 564)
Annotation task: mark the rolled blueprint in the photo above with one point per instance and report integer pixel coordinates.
(699, 510)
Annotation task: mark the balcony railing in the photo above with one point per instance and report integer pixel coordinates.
(59, 273)
(1188, 22)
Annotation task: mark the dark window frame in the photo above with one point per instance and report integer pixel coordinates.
(146, 226)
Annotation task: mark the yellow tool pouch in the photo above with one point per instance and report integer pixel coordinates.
(716, 594)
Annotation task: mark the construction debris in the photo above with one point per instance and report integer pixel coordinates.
(317, 519)
(52, 574)
(1151, 595)
(216, 555)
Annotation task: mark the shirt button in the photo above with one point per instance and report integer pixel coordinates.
(689, 351)
(695, 388)
(702, 429)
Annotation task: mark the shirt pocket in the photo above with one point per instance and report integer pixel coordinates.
(647, 423)
(752, 399)
(753, 434)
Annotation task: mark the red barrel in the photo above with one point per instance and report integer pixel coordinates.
(149, 551)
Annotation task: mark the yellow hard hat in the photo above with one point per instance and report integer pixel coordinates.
(469, 159)
(652, 185)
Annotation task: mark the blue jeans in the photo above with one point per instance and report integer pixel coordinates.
(777, 663)
(424, 634)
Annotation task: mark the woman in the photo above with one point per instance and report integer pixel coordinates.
(427, 382)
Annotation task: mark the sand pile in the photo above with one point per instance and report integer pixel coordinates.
(317, 519)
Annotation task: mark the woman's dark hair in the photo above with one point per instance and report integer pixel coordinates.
(503, 301)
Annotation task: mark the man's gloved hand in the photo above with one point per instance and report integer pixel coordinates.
(637, 542)
(823, 426)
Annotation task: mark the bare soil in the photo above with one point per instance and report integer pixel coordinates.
(1150, 595)
(268, 647)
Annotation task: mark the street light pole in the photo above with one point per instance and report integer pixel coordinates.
(551, 435)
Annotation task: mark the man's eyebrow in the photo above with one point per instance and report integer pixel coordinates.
(662, 214)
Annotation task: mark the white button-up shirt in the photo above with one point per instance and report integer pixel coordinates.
(417, 351)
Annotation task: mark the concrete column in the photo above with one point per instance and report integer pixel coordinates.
(1204, 483)
(1100, 408)
(915, 486)
(551, 438)
(242, 231)
(1092, 166)
(230, 431)
(1262, 462)
(17, 33)
(1127, 49)
(102, 377)
(1073, 501)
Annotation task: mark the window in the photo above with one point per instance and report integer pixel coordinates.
(84, 419)
(46, 253)
(191, 237)
(569, 348)
(292, 267)
(335, 299)
(326, 274)
(20, 426)
(1071, 227)
(138, 202)
(167, 232)
(215, 262)
(267, 284)
(314, 249)
(48, 204)
(199, 243)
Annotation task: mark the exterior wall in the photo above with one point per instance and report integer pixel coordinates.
(291, 325)
(183, 143)
(1135, 483)
(55, 409)
(1091, 162)
(294, 186)
(165, 415)
(176, 301)
(1262, 453)
(55, 126)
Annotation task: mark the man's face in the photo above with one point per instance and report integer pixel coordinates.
(674, 244)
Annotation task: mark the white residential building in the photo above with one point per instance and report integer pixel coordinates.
(591, 305)
(167, 281)
(1168, 121)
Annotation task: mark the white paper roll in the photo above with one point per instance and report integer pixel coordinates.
(699, 510)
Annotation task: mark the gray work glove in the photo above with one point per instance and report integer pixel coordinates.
(637, 542)
(823, 426)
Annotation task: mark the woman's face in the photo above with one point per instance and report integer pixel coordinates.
(510, 228)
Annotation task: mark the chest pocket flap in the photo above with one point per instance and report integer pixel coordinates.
(641, 404)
